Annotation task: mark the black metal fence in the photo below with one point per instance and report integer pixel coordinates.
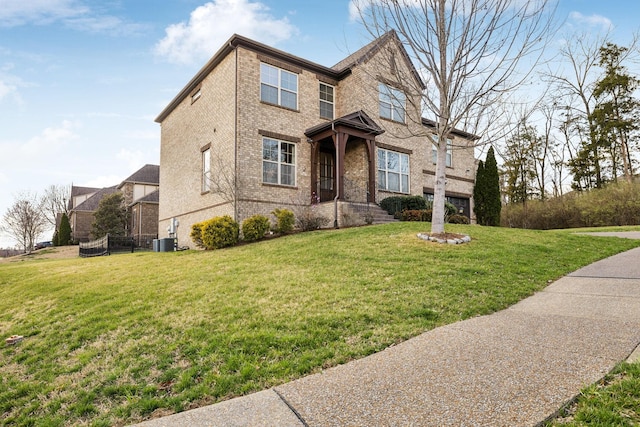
(96, 247)
(116, 244)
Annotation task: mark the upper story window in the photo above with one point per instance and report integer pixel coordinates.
(278, 87)
(392, 103)
(278, 162)
(326, 101)
(434, 151)
(393, 171)
(196, 94)
(206, 170)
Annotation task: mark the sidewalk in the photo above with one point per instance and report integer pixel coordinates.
(512, 368)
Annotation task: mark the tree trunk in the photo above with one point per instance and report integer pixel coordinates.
(437, 219)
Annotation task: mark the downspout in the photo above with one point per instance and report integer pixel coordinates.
(235, 142)
(335, 199)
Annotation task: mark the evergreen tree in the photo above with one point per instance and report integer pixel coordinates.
(493, 203)
(486, 193)
(55, 241)
(479, 193)
(64, 232)
(615, 115)
(110, 218)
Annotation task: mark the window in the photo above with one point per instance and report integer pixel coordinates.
(206, 170)
(327, 171)
(393, 171)
(278, 87)
(392, 103)
(434, 151)
(196, 95)
(278, 162)
(326, 101)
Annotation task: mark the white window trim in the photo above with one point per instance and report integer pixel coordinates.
(394, 95)
(206, 170)
(279, 87)
(385, 185)
(279, 162)
(333, 103)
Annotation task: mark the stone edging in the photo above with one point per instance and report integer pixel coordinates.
(456, 241)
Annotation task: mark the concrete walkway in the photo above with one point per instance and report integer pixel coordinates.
(512, 368)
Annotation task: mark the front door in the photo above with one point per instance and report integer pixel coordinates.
(327, 176)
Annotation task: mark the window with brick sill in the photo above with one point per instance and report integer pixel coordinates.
(278, 162)
(393, 171)
(278, 87)
(392, 103)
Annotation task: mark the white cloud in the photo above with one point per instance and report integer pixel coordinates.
(133, 159)
(354, 12)
(102, 181)
(10, 84)
(6, 89)
(592, 20)
(74, 14)
(153, 135)
(212, 24)
(105, 24)
(50, 140)
(41, 12)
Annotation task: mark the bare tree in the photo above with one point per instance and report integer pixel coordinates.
(573, 86)
(25, 221)
(469, 52)
(55, 202)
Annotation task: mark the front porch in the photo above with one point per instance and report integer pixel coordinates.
(343, 170)
(343, 159)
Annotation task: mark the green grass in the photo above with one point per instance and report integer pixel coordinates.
(114, 340)
(614, 401)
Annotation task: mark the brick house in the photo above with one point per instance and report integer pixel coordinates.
(141, 196)
(258, 129)
(83, 203)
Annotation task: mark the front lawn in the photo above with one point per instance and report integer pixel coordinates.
(115, 340)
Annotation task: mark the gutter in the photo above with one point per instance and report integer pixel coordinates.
(335, 199)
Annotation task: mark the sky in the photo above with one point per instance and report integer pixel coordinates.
(81, 81)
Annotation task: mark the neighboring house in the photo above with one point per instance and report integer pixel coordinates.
(83, 204)
(258, 129)
(141, 195)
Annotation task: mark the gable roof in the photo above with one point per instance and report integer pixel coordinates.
(369, 51)
(358, 120)
(234, 42)
(148, 174)
(337, 72)
(79, 191)
(91, 204)
(149, 198)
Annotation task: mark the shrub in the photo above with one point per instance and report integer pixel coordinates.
(449, 211)
(255, 227)
(614, 204)
(220, 232)
(196, 234)
(416, 215)
(284, 221)
(307, 219)
(396, 204)
(458, 219)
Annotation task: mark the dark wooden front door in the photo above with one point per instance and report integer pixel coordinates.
(327, 176)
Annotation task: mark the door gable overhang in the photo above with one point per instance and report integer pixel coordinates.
(357, 124)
